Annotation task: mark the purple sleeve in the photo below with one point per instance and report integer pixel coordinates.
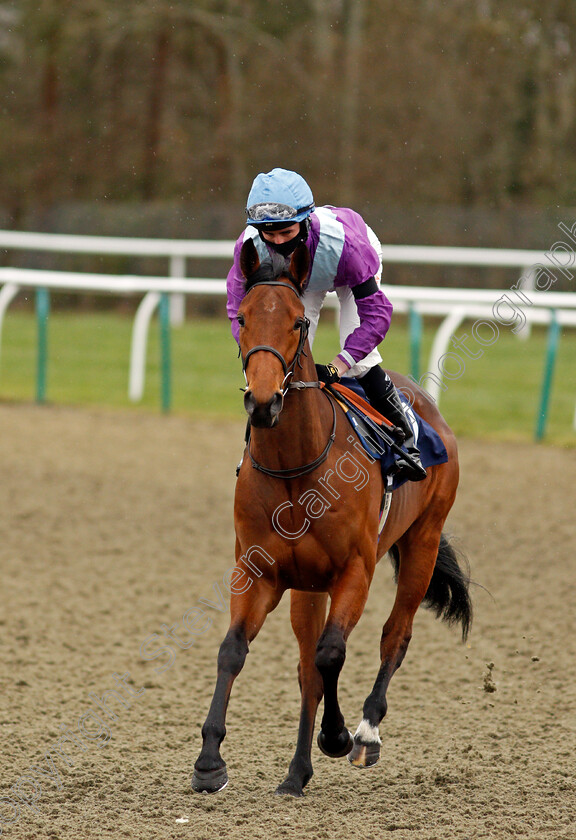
(235, 289)
(375, 313)
(359, 263)
(359, 260)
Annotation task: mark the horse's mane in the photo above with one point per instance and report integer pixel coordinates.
(273, 268)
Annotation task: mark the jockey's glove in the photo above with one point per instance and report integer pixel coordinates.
(327, 373)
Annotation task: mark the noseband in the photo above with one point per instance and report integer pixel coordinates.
(287, 368)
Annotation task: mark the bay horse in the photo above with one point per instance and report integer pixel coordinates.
(306, 516)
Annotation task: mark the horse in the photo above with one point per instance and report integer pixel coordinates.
(306, 516)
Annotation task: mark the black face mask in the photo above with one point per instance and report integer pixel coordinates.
(287, 248)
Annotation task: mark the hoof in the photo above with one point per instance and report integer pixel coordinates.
(364, 755)
(209, 781)
(344, 745)
(290, 788)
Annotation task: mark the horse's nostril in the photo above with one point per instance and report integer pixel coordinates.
(263, 414)
(249, 401)
(276, 403)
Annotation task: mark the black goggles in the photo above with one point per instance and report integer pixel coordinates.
(273, 212)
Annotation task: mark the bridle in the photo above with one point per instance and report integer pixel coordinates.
(287, 368)
(297, 385)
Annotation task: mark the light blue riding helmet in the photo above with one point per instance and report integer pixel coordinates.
(277, 198)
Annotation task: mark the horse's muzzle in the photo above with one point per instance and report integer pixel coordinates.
(263, 415)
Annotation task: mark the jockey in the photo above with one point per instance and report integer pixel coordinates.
(345, 257)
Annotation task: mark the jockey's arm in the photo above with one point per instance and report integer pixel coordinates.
(340, 366)
(374, 312)
(234, 291)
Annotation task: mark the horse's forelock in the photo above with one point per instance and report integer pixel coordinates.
(272, 268)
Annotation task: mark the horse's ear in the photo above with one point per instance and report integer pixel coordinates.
(249, 260)
(300, 265)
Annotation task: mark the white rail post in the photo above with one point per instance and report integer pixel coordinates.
(177, 300)
(137, 375)
(7, 294)
(439, 347)
(527, 283)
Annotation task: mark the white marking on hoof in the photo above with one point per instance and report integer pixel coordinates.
(368, 734)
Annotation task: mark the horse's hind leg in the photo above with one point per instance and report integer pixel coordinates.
(418, 551)
(248, 612)
(308, 615)
(348, 601)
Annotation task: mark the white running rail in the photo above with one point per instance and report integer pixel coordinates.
(455, 305)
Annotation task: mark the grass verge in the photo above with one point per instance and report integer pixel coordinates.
(496, 396)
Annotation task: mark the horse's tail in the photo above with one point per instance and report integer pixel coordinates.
(448, 593)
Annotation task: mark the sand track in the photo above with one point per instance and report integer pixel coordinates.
(116, 523)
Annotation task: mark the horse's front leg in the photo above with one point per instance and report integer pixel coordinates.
(418, 551)
(248, 612)
(348, 601)
(308, 615)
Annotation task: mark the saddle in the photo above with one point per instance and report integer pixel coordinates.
(377, 434)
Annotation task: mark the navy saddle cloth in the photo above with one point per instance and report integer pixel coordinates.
(428, 441)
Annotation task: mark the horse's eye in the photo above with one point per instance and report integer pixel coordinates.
(298, 323)
(240, 319)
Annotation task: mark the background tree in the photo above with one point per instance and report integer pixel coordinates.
(413, 104)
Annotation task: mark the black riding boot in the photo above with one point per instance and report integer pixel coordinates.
(384, 397)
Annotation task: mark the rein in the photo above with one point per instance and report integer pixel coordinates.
(296, 472)
(298, 385)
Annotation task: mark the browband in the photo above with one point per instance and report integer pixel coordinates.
(274, 283)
